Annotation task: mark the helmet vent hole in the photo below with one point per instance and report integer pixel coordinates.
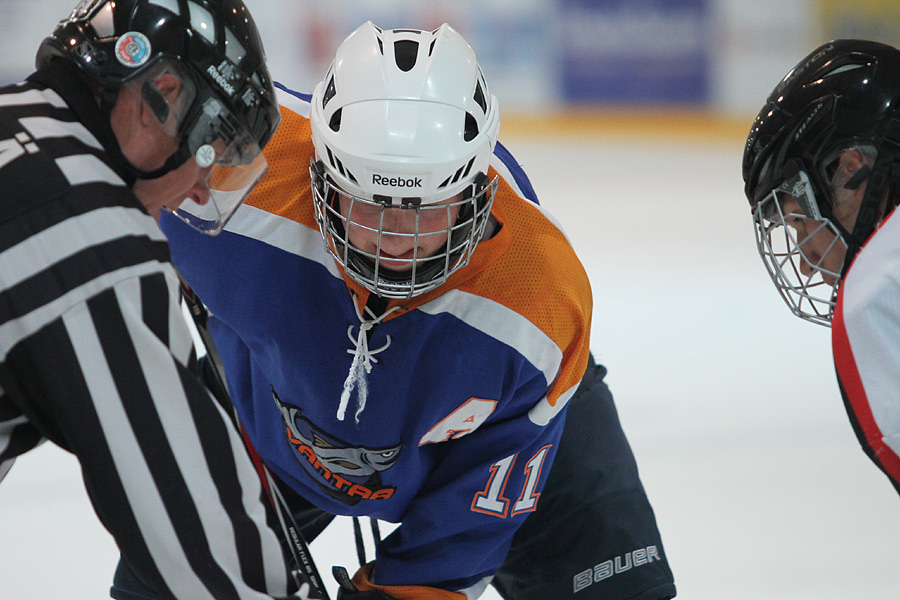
(103, 22)
(202, 22)
(471, 129)
(234, 50)
(469, 167)
(431, 47)
(844, 69)
(335, 122)
(458, 174)
(479, 96)
(329, 92)
(445, 183)
(340, 167)
(405, 54)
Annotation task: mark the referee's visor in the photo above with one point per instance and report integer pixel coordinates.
(219, 141)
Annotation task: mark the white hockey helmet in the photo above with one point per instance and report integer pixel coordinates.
(403, 120)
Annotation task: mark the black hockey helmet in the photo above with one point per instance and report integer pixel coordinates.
(843, 94)
(214, 48)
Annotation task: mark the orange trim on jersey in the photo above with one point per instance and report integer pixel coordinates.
(855, 394)
(552, 290)
(402, 592)
(285, 190)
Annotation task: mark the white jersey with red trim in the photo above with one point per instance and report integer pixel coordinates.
(866, 344)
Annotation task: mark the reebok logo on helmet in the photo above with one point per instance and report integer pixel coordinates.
(396, 181)
(224, 75)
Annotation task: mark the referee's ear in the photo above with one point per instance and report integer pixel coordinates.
(155, 107)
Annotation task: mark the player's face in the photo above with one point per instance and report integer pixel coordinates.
(398, 236)
(820, 247)
(822, 250)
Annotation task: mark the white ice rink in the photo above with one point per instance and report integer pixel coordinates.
(730, 403)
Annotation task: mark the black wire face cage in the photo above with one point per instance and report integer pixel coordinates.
(777, 219)
(430, 224)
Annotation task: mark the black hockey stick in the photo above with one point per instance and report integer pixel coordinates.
(214, 376)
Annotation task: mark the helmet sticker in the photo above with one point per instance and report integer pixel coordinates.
(133, 49)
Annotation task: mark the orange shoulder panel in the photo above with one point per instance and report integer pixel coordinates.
(285, 188)
(533, 270)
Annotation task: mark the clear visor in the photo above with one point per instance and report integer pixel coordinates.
(228, 188)
(802, 250)
(234, 163)
(230, 160)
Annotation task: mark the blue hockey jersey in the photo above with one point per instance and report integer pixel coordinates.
(464, 404)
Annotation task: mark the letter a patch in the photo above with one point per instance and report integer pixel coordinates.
(465, 419)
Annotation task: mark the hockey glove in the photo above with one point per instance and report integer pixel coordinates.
(362, 588)
(349, 591)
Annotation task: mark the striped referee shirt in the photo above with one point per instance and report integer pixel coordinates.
(95, 356)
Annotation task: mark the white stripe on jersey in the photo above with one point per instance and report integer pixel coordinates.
(131, 466)
(44, 127)
(47, 96)
(87, 168)
(180, 342)
(506, 175)
(69, 237)
(163, 382)
(512, 329)
(282, 233)
(292, 102)
(181, 327)
(176, 419)
(16, 330)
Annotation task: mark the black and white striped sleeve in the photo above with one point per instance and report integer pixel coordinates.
(96, 355)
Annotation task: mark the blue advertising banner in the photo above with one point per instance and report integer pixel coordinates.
(652, 51)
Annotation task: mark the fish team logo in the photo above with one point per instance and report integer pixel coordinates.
(346, 473)
(133, 49)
